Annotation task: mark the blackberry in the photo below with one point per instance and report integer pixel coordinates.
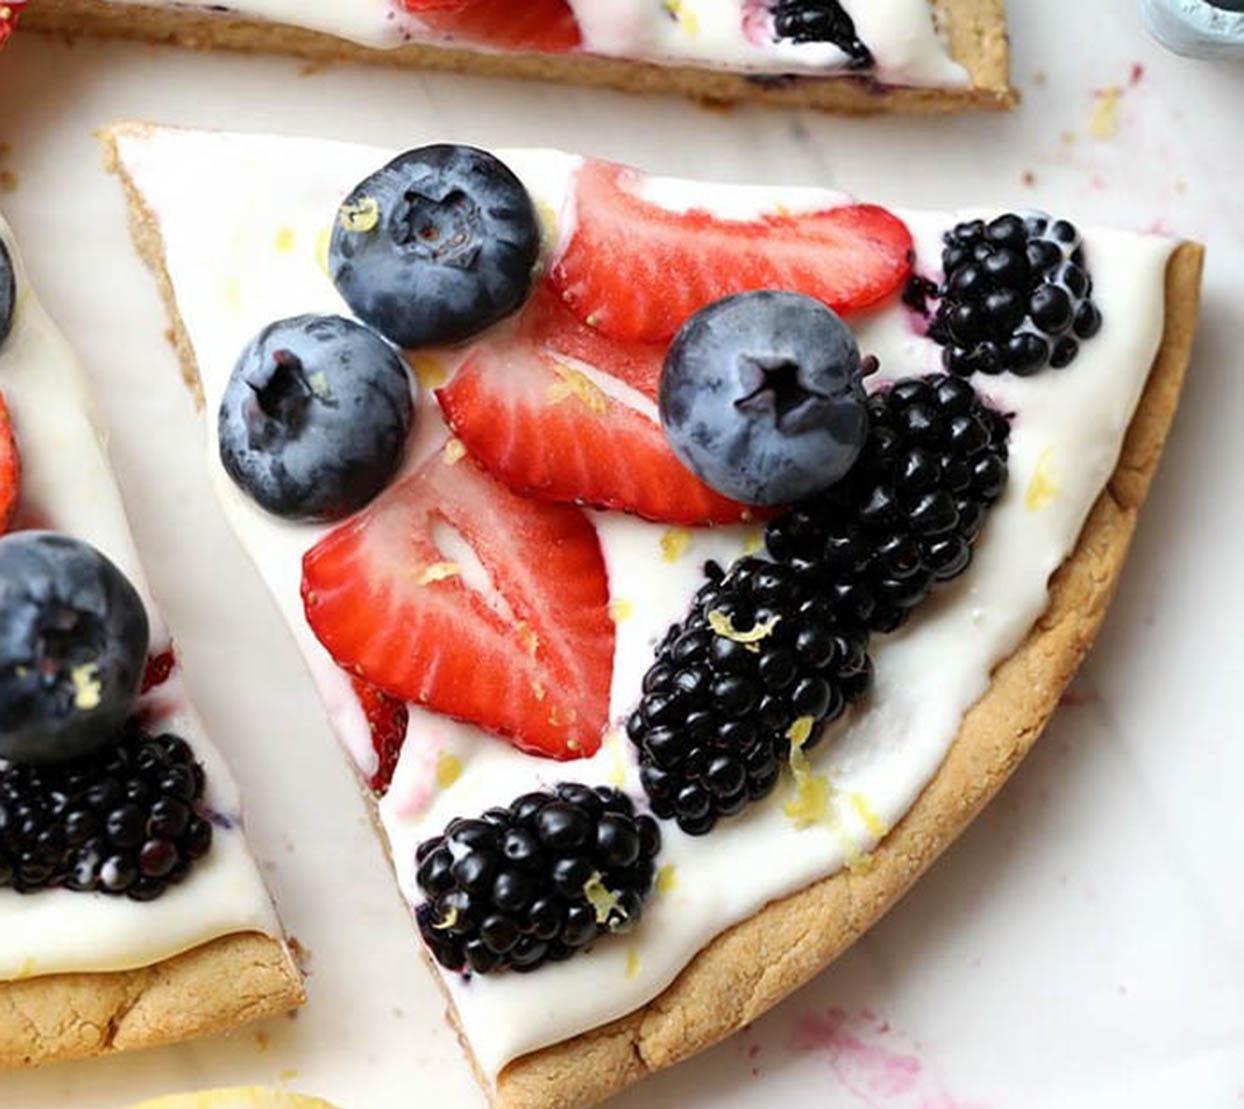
(124, 820)
(761, 647)
(909, 512)
(785, 639)
(537, 881)
(1016, 296)
(803, 21)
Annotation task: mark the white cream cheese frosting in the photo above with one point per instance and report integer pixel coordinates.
(67, 485)
(717, 34)
(245, 220)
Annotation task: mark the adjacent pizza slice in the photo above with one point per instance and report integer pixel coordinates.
(131, 910)
(857, 56)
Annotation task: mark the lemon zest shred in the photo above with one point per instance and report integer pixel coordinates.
(550, 229)
(667, 878)
(455, 450)
(809, 804)
(620, 609)
(437, 571)
(319, 385)
(617, 767)
(527, 637)
(575, 384)
(448, 769)
(1043, 488)
(674, 544)
(359, 215)
(632, 963)
(87, 688)
(602, 899)
(723, 625)
(1104, 122)
(323, 238)
(877, 827)
(687, 19)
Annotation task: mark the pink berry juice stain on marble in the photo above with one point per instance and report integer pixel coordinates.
(870, 1070)
(943, 1102)
(871, 1062)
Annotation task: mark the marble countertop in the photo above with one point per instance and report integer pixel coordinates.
(1079, 947)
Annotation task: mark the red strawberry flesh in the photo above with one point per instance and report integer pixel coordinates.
(387, 720)
(542, 25)
(534, 665)
(637, 271)
(158, 669)
(10, 469)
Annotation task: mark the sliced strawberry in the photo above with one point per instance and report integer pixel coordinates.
(10, 469)
(387, 719)
(390, 606)
(545, 25)
(546, 430)
(636, 271)
(550, 324)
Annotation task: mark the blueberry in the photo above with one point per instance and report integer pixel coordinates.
(73, 645)
(761, 396)
(436, 246)
(8, 292)
(315, 417)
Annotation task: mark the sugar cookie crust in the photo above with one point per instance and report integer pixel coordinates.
(976, 30)
(753, 965)
(221, 984)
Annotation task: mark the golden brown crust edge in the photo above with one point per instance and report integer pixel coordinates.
(976, 29)
(753, 965)
(210, 988)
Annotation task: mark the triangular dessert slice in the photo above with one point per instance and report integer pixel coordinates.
(706, 560)
(853, 56)
(131, 910)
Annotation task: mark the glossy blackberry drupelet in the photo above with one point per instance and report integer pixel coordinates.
(761, 648)
(537, 881)
(435, 246)
(1016, 296)
(773, 642)
(821, 21)
(907, 515)
(122, 821)
(8, 292)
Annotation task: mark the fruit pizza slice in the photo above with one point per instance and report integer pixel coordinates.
(858, 56)
(131, 911)
(675, 559)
